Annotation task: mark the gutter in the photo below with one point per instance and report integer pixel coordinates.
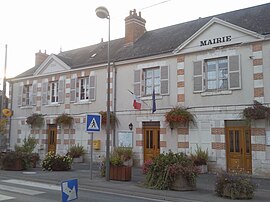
(114, 102)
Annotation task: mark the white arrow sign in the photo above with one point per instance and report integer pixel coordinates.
(70, 192)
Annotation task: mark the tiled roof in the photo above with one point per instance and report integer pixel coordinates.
(163, 40)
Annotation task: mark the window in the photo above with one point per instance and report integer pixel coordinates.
(152, 80)
(217, 74)
(84, 88)
(54, 92)
(26, 99)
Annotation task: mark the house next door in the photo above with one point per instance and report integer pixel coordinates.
(151, 142)
(52, 138)
(238, 149)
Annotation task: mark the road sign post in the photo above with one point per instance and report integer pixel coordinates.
(93, 124)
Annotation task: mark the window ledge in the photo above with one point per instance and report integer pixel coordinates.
(224, 92)
(27, 107)
(53, 105)
(149, 97)
(83, 102)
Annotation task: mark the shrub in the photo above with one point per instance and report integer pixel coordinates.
(146, 166)
(28, 145)
(120, 155)
(166, 167)
(200, 157)
(76, 151)
(234, 186)
(9, 160)
(56, 162)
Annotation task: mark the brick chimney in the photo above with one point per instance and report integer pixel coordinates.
(135, 27)
(40, 57)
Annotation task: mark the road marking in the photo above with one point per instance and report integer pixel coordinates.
(20, 190)
(4, 197)
(34, 184)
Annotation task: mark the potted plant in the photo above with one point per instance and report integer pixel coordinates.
(171, 171)
(64, 119)
(179, 116)
(256, 111)
(120, 164)
(234, 186)
(76, 152)
(200, 159)
(56, 162)
(35, 120)
(14, 161)
(113, 119)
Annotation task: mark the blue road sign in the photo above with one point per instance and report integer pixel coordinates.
(69, 190)
(93, 122)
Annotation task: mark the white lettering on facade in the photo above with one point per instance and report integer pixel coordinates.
(215, 40)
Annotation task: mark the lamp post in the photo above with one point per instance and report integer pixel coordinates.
(102, 12)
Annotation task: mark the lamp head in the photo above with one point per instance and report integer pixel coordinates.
(102, 12)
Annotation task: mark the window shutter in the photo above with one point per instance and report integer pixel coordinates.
(34, 93)
(164, 80)
(92, 88)
(73, 90)
(31, 95)
(45, 93)
(198, 76)
(137, 82)
(20, 95)
(234, 72)
(61, 95)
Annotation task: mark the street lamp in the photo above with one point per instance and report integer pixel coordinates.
(102, 12)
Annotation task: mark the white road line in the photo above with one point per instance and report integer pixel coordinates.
(34, 184)
(4, 197)
(20, 190)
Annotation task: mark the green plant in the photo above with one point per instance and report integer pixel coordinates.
(200, 157)
(3, 126)
(35, 120)
(76, 151)
(28, 145)
(113, 119)
(256, 111)
(234, 186)
(10, 159)
(179, 115)
(56, 162)
(64, 119)
(164, 169)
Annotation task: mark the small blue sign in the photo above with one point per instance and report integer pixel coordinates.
(93, 122)
(69, 190)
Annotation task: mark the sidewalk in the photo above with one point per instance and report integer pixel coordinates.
(81, 171)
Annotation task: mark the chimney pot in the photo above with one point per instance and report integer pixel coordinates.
(40, 57)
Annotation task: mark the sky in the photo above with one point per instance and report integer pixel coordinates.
(27, 26)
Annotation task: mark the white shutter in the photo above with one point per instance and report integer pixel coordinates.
(31, 95)
(45, 93)
(198, 76)
(20, 95)
(92, 88)
(61, 89)
(234, 78)
(34, 93)
(137, 83)
(164, 80)
(73, 90)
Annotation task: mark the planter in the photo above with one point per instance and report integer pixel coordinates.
(120, 173)
(182, 184)
(14, 166)
(78, 159)
(202, 169)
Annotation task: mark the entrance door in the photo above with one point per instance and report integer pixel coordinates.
(238, 147)
(52, 138)
(151, 142)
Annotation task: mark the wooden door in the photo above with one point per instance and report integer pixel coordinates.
(52, 138)
(151, 142)
(238, 149)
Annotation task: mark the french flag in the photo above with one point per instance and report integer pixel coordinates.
(137, 103)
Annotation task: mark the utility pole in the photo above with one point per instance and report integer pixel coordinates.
(4, 104)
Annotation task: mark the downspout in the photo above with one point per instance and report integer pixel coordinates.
(114, 101)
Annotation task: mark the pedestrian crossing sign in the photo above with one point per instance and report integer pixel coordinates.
(93, 122)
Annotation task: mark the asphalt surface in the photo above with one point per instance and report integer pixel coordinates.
(92, 181)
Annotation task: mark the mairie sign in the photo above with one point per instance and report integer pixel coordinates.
(69, 190)
(93, 122)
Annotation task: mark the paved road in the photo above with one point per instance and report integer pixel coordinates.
(98, 189)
